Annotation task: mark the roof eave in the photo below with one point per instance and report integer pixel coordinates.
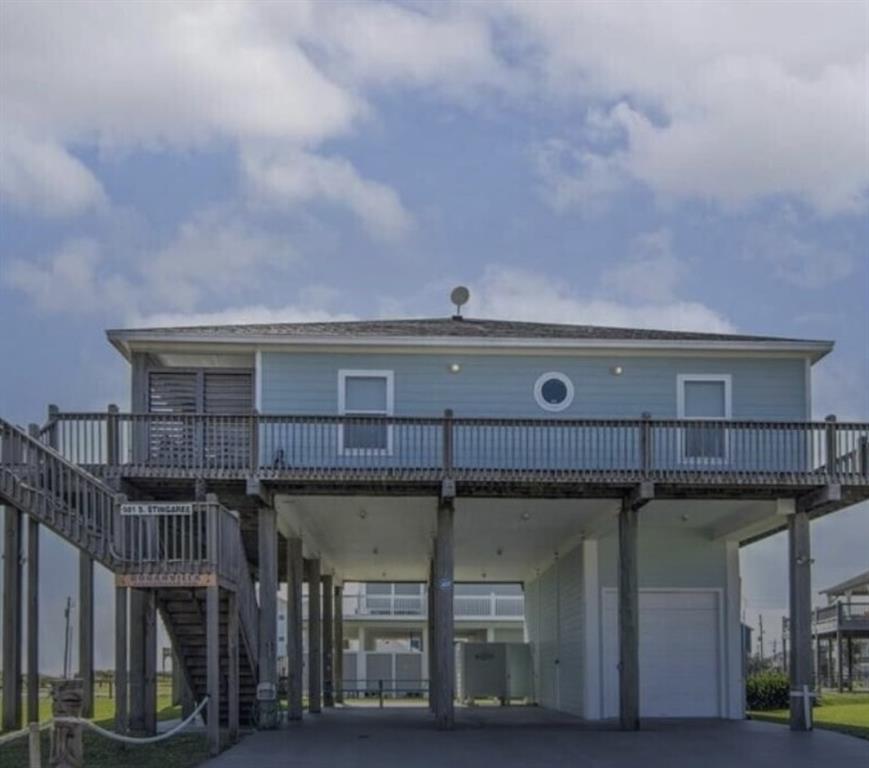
(124, 340)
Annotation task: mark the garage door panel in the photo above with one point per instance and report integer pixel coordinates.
(680, 654)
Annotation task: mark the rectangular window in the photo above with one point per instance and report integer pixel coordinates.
(704, 398)
(368, 396)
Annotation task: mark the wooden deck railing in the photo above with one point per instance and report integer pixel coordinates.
(59, 493)
(484, 449)
(843, 617)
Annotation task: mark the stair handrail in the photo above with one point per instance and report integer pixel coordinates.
(50, 482)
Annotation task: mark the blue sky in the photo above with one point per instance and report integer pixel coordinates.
(678, 165)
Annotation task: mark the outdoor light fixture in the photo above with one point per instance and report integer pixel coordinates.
(617, 370)
(455, 367)
(499, 551)
(525, 516)
(375, 551)
(363, 514)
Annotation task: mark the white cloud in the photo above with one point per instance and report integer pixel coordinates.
(42, 176)
(254, 314)
(289, 177)
(68, 280)
(522, 295)
(212, 253)
(573, 179)
(726, 102)
(651, 273)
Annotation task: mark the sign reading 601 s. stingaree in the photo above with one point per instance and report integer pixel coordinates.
(154, 509)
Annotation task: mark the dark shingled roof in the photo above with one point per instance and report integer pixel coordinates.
(448, 327)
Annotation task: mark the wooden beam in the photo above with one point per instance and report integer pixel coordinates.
(295, 576)
(315, 695)
(641, 494)
(339, 644)
(267, 538)
(86, 632)
(828, 495)
(629, 620)
(328, 643)
(445, 672)
(121, 693)
(232, 687)
(212, 666)
(32, 620)
(12, 621)
(800, 571)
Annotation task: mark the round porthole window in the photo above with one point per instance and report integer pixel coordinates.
(553, 391)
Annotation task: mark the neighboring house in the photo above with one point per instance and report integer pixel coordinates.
(841, 634)
(613, 472)
(385, 637)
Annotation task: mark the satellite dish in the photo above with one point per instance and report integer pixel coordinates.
(459, 297)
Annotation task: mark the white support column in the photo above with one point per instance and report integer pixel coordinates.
(591, 605)
(315, 695)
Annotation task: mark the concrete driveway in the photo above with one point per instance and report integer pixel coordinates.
(532, 737)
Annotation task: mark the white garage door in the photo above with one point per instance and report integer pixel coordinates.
(680, 654)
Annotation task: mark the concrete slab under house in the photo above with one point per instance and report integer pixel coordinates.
(271, 483)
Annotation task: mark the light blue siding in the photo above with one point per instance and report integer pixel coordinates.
(502, 386)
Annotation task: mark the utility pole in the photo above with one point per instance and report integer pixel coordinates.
(760, 633)
(66, 636)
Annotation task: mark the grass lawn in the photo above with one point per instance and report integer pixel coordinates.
(183, 751)
(845, 712)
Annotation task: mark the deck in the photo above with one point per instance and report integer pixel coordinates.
(165, 453)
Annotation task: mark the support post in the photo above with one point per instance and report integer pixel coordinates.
(432, 651)
(338, 675)
(314, 637)
(32, 620)
(295, 576)
(840, 666)
(212, 665)
(267, 539)
(149, 626)
(800, 568)
(121, 659)
(445, 672)
(850, 664)
(12, 620)
(137, 661)
(86, 631)
(629, 609)
(232, 687)
(328, 643)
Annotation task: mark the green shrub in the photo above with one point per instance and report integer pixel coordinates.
(768, 690)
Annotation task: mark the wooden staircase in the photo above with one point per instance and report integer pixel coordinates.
(39, 481)
(183, 614)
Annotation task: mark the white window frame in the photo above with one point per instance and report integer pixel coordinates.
(681, 380)
(538, 391)
(352, 373)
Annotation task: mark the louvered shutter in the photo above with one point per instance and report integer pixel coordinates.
(226, 398)
(171, 440)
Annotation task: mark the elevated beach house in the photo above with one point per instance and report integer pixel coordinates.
(613, 472)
